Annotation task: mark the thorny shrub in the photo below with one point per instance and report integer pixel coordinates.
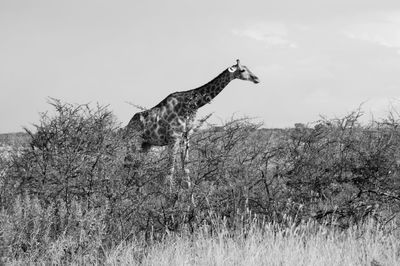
(71, 192)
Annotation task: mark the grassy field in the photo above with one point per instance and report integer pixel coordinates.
(258, 244)
(307, 244)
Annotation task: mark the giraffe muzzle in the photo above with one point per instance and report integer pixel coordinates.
(255, 79)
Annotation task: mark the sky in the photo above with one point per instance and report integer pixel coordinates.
(312, 57)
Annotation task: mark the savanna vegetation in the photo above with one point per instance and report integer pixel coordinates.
(326, 193)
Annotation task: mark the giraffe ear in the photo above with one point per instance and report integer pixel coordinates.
(232, 69)
(239, 66)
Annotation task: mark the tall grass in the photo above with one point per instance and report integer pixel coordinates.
(252, 243)
(266, 244)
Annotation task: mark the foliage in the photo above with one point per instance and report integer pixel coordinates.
(342, 169)
(78, 191)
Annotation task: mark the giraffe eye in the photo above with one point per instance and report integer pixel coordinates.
(242, 70)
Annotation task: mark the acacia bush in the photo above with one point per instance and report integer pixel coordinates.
(343, 170)
(70, 192)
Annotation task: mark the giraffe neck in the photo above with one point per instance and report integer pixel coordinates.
(209, 91)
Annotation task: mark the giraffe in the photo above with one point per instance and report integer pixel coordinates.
(170, 122)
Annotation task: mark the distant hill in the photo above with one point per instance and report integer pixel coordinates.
(13, 139)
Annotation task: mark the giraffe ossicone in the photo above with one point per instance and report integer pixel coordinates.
(170, 122)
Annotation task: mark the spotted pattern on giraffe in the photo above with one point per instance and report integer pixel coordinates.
(168, 122)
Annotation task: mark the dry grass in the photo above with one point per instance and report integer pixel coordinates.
(268, 244)
(307, 244)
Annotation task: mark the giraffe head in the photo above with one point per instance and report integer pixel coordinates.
(240, 71)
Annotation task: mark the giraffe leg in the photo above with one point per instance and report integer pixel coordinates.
(130, 154)
(190, 128)
(185, 159)
(172, 152)
(133, 146)
(136, 151)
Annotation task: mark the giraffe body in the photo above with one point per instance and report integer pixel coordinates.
(170, 122)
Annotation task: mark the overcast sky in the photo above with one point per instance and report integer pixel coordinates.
(312, 57)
